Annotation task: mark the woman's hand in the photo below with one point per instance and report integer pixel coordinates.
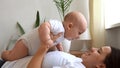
(54, 37)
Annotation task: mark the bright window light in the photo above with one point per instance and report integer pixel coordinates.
(112, 13)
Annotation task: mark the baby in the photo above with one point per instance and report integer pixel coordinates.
(73, 25)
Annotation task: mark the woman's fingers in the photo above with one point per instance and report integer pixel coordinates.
(54, 37)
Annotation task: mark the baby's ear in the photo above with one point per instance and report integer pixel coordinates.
(101, 65)
(70, 25)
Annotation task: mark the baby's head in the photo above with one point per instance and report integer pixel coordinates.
(74, 24)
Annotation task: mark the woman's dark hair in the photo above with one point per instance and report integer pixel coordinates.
(113, 59)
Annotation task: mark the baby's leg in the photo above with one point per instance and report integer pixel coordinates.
(19, 51)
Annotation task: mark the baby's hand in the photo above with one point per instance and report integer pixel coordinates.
(59, 47)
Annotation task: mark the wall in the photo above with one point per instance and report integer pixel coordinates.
(24, 11)
(112, 22)
(113, 37)
(12, 11)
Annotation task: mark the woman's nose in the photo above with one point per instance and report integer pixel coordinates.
(93, 49)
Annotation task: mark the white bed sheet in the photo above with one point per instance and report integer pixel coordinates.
(21, 63)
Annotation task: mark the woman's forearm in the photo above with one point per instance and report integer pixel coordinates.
(36, 61)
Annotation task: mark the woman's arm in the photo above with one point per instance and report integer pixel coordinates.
(36, 61)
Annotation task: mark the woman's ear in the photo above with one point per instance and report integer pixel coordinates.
(69, 26)
(101, 66)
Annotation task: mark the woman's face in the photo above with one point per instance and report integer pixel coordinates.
(95, 56)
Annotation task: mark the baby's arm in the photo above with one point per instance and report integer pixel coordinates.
(45, 36)
(44, 33)
(19, 51)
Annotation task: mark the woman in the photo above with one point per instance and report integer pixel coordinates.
(105, 57)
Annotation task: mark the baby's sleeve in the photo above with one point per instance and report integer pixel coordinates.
(56, 26)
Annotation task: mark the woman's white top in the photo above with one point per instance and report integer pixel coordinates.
(55, 59)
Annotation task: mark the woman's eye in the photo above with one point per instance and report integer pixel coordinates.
(98, 51)
(79, 33)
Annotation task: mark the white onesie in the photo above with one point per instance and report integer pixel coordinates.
(32, 40)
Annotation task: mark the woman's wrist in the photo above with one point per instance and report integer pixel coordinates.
(44, 48)
(49, 42)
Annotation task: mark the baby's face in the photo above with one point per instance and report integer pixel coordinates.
(74, 33)
(73, 29)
